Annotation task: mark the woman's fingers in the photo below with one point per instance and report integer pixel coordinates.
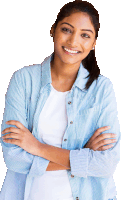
(101, 138)
(103, 148)
(108, 141)
(98, 131)
(103, 142)
(11, 135)
(17, 124)
(11, 129)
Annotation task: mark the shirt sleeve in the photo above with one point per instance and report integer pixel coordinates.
(87, 162)
(16, 158)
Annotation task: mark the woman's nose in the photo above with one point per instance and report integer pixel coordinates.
(73, 40)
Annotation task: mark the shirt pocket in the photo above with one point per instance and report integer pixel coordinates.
(89, 111)
(86, 124)
(89, 105)
(87, 119)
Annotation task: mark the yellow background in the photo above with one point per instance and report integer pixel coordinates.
(25, 40)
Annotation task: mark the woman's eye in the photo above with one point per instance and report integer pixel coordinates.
(66, 30)
(85, 35)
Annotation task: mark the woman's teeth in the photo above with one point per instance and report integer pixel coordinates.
(70, 51)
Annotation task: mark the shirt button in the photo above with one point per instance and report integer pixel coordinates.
(71, 122)
(72, 175)
(77, 198)
(65, 139)
(69, 102)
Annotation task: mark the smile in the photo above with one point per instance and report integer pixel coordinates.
(70, 51)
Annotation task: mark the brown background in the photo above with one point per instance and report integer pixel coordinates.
(25, 40)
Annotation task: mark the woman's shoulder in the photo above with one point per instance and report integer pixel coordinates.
(27, 77)
(101, 86)
(29, 70)
(28, 73)
(103, 81)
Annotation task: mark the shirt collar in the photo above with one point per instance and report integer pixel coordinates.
(80, 81)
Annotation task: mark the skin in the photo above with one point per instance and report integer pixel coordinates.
(59, 157)
(64, 70)
(65, 67)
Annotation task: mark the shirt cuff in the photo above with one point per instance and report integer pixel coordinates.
(39, 166)
(79, 162)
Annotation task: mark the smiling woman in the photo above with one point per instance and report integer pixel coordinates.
(80, 37)
(74, 34)
(56, 142)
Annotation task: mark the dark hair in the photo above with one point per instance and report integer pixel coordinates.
(89, 62)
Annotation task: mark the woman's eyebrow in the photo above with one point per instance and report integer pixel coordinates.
(80, 29)
(68, 24)
(87, 30)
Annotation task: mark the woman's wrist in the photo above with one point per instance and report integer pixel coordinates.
(54, 166)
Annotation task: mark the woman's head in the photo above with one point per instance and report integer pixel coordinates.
(76, 33)
(78, 6)
(79, 34)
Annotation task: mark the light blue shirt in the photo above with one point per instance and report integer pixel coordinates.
(89, 110)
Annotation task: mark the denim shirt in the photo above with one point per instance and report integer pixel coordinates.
(91, 172)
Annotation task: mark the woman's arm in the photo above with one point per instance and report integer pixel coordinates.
(61, 156)
(54, 166)
(17, 159)
(87, 162)
(23, 138)
(100, 163)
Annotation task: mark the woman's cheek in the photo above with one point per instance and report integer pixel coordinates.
(87, 45)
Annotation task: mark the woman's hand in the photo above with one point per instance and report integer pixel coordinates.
(22, 137)
(98, 141)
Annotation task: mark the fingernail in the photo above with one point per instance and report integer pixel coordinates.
(107, 126)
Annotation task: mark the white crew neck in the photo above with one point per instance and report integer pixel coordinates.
(59, 91)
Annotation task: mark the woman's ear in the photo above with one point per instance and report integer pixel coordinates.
(52, 31)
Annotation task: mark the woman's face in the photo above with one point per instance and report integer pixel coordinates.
(76, 33)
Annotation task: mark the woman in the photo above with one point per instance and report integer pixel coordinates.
(56, 142)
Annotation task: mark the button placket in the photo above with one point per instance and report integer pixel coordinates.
(69, 102)
(69, 108)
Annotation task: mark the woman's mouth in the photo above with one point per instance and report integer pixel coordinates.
(70, 52)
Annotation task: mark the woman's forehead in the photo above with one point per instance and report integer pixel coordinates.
(78, 19)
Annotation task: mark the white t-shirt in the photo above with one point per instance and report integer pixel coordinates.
(53, 185)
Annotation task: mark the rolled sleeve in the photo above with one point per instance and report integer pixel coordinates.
(79, 162)
(86, 162)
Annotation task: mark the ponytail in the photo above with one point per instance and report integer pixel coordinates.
(90, 64)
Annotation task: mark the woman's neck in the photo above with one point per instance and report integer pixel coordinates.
(64, 72)
(63, 76)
